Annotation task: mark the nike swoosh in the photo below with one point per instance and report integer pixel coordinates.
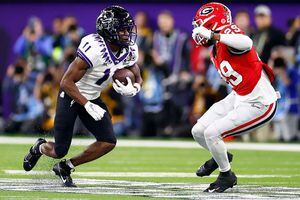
(64, 180)
(211, 191)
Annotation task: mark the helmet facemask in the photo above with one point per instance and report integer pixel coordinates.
(199, 40)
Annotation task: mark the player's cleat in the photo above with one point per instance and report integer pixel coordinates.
(33, 156)
(63, 171)
(209, 166)
(223, 182)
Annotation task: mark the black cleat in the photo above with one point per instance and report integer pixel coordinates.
(33, 156)
(210, 166)
(223, 182)
(62, 170)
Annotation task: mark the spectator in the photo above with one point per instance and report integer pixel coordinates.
(132, 118)
(144, 37)
(293, 34)
(286, 119)
(46, 90)
(73, 34)
(26, 108)
(114, 102)
(170, 46)
(152, 99)
(266, 37)
(59, 40)
(242, 20)
(171, 55)
(34, 45)
(204, 97)
(217, 84)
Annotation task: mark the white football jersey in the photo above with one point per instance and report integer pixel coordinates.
(102, 64)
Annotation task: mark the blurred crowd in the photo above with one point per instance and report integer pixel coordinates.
(180, 82)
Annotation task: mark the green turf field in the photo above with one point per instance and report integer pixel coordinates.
(169, 175)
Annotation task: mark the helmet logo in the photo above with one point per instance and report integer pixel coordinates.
(107, 15)
(206, 11)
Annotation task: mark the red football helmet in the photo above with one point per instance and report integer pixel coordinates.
(213, 16)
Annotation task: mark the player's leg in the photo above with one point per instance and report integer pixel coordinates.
(66, 113)
(244, 118)
(103, 132)
(215, 112)
(63, 130)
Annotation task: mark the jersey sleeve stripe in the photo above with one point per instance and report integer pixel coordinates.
(84, 57)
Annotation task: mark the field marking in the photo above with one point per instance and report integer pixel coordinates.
(164, 144)
(143, 174)
(148, 189)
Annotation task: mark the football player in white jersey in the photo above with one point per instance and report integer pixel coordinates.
(98, 57)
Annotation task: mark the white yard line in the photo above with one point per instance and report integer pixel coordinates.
(142, 174)
(163, 190)
(165, 144)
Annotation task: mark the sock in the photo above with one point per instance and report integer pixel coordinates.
(40, 149)
(226, 173)
(69, 163)
(218, 150)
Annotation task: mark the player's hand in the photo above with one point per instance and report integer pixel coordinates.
(128, 90)
(203, 32)
(94, 110)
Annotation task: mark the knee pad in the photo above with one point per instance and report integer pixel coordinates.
(198, 130)
(211, 132)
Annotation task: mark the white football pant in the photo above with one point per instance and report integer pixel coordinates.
(229, 117)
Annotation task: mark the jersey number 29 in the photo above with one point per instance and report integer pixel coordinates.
(228, 73)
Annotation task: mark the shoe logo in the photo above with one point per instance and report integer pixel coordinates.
(211, 191)
(64, 180)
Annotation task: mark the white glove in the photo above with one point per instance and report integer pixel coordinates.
(94, 110)
(128, 90)
(203, 32)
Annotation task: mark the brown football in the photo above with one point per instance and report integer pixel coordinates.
(121, 75)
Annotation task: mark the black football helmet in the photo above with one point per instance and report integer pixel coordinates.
(111, 21)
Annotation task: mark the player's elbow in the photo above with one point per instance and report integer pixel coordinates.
(248, 43)
(64, 84)
(245, 43)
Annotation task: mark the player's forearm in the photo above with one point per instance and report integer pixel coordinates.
(137, 74)
(71, 89)
(236, 41)
(138, 79)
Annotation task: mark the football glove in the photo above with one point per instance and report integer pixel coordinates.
(203, 32)
(94, 110)
(128, 90)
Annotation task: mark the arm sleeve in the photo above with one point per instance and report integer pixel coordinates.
(236, 41)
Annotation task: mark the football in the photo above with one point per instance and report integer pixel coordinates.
(121, 75)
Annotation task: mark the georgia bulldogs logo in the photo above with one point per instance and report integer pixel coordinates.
(206, 11)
